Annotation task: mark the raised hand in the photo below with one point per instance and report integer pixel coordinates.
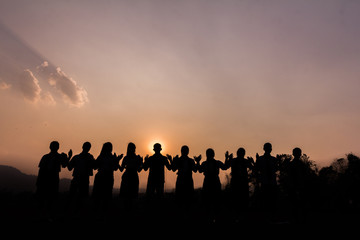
(197, 158)
(169, 157)
(70, 153)
(251, 161)
(118, 157)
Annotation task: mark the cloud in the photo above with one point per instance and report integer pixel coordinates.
(29, 86)
(71, 92)
(24, 72)
(48, 99)
(4, 85)
(27, 83)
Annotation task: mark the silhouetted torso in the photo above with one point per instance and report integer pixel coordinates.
(49, 169)
(266, 166)
(83, 165)
(104, 179)
(184, 182)
(130, 180)
(210, 168)
(156, 178)
(297, 171)
(239, 175)
(239, 169)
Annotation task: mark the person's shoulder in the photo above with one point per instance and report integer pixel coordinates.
(44, 159)
(45, 156)
(204, 163)
(76, 156)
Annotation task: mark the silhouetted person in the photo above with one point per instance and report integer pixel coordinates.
(106, 163)
(184, 166)
(211, 190)
(132, 164)
(297, 173)
(83, 165)
(48, 178)
(239, 182)
(266, 167)
(156, 178)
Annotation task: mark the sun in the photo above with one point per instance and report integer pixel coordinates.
(151, 145)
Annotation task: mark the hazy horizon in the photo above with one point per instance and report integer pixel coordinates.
(219, 74)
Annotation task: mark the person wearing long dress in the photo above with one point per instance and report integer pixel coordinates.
(211, 190)
(239, 182)
(106, 163)
(132, 163)
(185, 166)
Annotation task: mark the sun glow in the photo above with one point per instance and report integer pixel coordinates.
(151, 145)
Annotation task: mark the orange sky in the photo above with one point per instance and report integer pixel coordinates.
(214, 74)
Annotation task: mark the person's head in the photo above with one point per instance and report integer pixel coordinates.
(54, 146)
(297, 153)
(267, 148)
(184, 150)
(157, 148)
(131, 149)
(240, 153)
(106, 148)
(86, 147)
(210, 153)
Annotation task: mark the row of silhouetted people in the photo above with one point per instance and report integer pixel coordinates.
(83, 164)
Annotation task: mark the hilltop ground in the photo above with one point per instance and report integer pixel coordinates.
(23, 208)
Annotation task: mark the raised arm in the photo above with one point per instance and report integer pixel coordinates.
(174, 162)
(221, 165)
(141, 163)
(122, 166)
(194, 166)
(65, 158)
(168, 162)
(70, 165)
(146, 163)
(199, 166)
(228, 159)
(117, 161)
(250, 163)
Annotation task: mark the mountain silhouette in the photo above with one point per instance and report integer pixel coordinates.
(15, 181)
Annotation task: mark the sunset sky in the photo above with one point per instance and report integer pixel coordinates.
(221, 74)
